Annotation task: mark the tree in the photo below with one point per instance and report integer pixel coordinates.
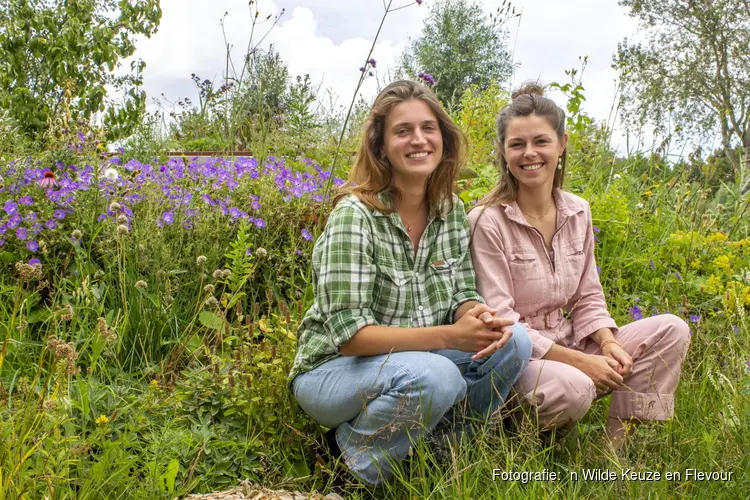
(692, 75)
(461, 46)
(57, 59)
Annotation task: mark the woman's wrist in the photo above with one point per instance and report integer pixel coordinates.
(603, 335)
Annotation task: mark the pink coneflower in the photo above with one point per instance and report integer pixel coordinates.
(48, 180)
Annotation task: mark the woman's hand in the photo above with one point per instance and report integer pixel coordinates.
(478, 330)
(602, 370)
(614, 351)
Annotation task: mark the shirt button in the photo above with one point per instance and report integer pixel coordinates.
(421, 308)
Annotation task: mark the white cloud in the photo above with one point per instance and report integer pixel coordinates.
(329, 39)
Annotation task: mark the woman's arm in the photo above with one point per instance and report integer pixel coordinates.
(587, 307)
(602, 370)
(469, 334)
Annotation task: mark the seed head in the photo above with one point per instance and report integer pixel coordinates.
(218, 274)
(76, 234)
(115, 207)
(208, 289)
(200, 260)
(141, 284)
(122, 229)
(261, 252)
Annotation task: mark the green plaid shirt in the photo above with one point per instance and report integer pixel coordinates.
(365, 272)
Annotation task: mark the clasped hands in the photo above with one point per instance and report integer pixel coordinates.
(481, 332)
(608, 370)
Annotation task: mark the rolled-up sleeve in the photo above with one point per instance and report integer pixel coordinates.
(587, 307)
(346, 276)
(494, 280)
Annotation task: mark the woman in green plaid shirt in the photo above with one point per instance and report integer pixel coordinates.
(398, 335)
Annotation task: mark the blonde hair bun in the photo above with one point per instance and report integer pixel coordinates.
(530, 88)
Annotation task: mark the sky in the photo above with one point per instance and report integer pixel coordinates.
(330, 39)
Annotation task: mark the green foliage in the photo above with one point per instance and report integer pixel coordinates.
(692, 75)
(476, 117)
(461, 46)
(57, 57)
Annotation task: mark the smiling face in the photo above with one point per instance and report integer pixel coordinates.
(412, 142)
(531, 150)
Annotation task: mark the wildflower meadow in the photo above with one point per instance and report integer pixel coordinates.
(149, 306)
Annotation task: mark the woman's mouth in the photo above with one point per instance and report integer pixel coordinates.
(530, 168)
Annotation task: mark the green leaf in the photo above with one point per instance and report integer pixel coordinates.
(211, 320)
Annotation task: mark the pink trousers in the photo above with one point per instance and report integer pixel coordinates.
(562, 394)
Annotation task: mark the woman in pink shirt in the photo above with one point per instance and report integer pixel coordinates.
(533, 252)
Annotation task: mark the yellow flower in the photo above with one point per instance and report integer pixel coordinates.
(714, 285)
(154, 383)
(101, 420)
(648, 193)
(716, 237)
(722, 262)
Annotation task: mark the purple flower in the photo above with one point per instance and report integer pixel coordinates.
(419, 2)
(255, 205)
(259, 223)
(35, 262)
(596, 229)
(736, 329)
(306, 234)
(598, 270)
(50, 224)
(26, 200)
(10, 207)
(635, 313)
(22, 233)
(167, 217)
(362, 69)
(58, 214)
(651, 263)
(2, 241)
(249, 252)
(372, 62)
(694, 318)
(32, 246)
(677, 275)
(235, 212)
(298, 252)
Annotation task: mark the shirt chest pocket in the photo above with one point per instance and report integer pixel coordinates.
(529, 284)
(441, 282)
(392, 295)
(575, 261)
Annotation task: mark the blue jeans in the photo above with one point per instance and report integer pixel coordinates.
(380, 405)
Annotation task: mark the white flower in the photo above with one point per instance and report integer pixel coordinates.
(616, 176)
(639, 206)
(111, 174)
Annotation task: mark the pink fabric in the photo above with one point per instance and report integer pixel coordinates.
(516, 275)
(558, 297)
(562, 394)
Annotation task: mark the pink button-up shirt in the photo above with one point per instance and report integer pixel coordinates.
(556, 293)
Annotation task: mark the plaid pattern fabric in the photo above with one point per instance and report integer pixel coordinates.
(365, 272)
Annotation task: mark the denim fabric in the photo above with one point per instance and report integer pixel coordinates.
(380, 405)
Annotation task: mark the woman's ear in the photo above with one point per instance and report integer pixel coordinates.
(563, 143)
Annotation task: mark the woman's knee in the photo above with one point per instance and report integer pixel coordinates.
(521, 343)
(568, 400)
(675, 337)
(437, 381)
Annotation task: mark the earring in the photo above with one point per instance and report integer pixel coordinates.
(559, 163)
(387, 162)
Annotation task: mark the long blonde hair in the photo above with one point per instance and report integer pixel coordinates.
(372, 175)
(527, 100)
